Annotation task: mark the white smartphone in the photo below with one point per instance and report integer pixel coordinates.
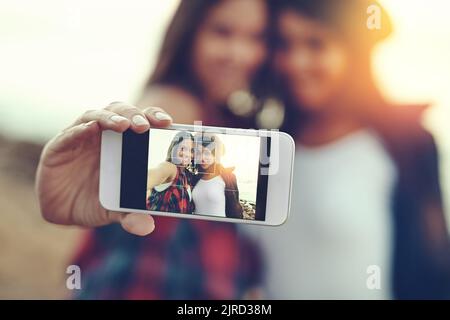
(199, 172)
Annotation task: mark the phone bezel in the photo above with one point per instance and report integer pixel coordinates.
(279, 185)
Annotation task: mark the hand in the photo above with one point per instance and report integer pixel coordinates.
(67, 179)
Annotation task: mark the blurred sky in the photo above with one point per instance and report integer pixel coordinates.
(60, 57)
(413, 66)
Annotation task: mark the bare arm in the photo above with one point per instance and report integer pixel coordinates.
(164, 172)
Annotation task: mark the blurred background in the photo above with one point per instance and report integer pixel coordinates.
(59, 58)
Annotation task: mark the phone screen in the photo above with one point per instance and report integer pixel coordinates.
(199, 173)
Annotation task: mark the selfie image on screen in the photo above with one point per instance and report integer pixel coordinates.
(210, 174)
(195, 173)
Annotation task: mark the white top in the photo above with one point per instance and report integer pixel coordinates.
(209, 197)
(339, 225)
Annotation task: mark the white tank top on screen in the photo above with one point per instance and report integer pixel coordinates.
(209, 197)
(339, 226)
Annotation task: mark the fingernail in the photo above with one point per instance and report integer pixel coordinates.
(162, 116)
(90, 123)
(118, 119)
(140, 120)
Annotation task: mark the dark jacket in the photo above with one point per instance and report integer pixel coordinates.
(421, 245)
(233, 207)
(421, 252)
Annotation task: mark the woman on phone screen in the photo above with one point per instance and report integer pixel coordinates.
(169, 184)
(215, 190)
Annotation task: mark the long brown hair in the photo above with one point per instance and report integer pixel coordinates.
(173, 62)
(172, 65)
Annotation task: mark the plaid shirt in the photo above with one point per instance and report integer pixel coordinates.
(175, 198)
(181, 259)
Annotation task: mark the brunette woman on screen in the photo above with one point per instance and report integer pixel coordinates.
(169, 184)
(215, 190)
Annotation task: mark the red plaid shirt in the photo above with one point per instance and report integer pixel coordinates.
(181, 259)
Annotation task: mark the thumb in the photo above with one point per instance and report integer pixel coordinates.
(139, 224)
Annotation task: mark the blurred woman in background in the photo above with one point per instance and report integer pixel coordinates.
(212, 50)
(367, 218)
